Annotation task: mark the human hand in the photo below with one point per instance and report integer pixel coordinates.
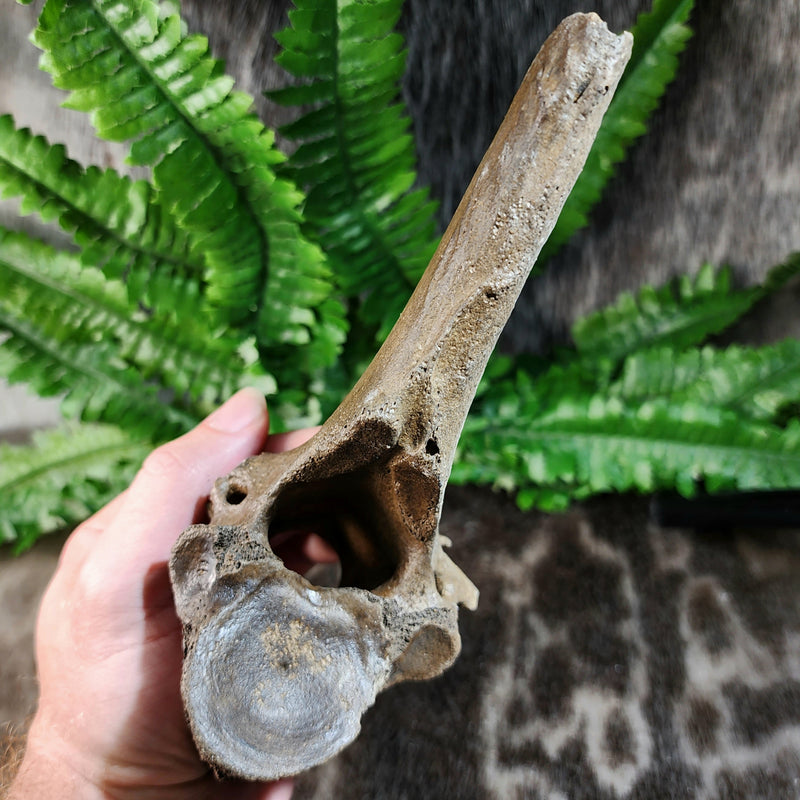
(110, 722)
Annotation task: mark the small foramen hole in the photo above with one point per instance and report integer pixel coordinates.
(432, 447)
(235, 496)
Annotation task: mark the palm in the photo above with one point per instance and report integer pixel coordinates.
(132, 683)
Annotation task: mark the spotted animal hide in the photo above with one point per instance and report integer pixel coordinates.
(609, 658)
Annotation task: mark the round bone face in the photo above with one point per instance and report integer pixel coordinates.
(305, 667)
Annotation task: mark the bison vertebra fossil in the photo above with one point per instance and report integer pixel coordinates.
(277, 671)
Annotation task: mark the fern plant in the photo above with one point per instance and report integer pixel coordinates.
(234, 264)
(641, 403)
(355, 156)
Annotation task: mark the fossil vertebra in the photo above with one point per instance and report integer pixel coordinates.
(278, 671)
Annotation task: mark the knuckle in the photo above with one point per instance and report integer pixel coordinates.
(164, 462)
(74, 550)
(90, 587)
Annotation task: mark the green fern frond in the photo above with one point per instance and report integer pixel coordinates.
(677, 315)
(62, 477)
(756, 382)
(585, 445)
(639, 406)
(781, 274)
(117, 222)
(356, 156)
(658, 38)
(73, 332)
(213, 162)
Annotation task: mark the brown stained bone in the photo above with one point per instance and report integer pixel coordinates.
(278, 671)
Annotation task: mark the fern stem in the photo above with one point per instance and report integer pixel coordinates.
(575, 440)
(597, 447)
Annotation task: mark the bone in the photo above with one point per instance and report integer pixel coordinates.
(277, 670)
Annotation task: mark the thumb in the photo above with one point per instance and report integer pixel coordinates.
(170, 490)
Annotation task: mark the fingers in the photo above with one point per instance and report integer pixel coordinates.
(280, 790)
(236, 790)
(300, 550)
(170, 490)
(318, 551)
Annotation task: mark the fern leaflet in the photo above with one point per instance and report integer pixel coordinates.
(61, 477)
(756, 382)
(590, 444)
(676, 315)
(356, 156)
(639, 406)
(73, 332)
(658, 38)
(213, 162)
(117, 222)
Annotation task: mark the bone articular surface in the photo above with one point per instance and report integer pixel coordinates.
(277, 671)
